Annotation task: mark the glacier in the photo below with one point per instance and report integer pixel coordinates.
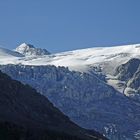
(84, 84)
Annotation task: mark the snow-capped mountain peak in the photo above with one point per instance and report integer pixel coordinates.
(28, 49)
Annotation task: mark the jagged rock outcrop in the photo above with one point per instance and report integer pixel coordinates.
(130, 74)
(126, 71)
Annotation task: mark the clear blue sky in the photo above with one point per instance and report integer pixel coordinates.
(60, 25)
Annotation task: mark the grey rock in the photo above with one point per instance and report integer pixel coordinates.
(87, 99)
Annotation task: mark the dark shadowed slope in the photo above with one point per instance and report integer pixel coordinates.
(27, 115)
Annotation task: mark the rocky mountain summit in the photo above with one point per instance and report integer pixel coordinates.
(30, 50)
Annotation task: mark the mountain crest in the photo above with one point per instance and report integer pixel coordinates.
(28, 49)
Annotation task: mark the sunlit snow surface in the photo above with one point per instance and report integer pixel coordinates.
(79, 60)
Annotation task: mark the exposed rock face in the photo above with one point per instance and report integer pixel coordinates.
(135, 81)
(130, 74)
(29, 50)
(85, 98)
(25, 114)
(126, 71)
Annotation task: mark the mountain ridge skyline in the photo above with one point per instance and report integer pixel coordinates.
(82, 48)
(70, 25)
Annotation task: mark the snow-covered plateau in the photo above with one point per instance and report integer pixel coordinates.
(98, 88)
(78, 60)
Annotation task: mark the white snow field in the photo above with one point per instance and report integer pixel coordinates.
(108, 58)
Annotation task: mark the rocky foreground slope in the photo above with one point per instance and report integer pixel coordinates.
(85, 98)
(27, 115)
